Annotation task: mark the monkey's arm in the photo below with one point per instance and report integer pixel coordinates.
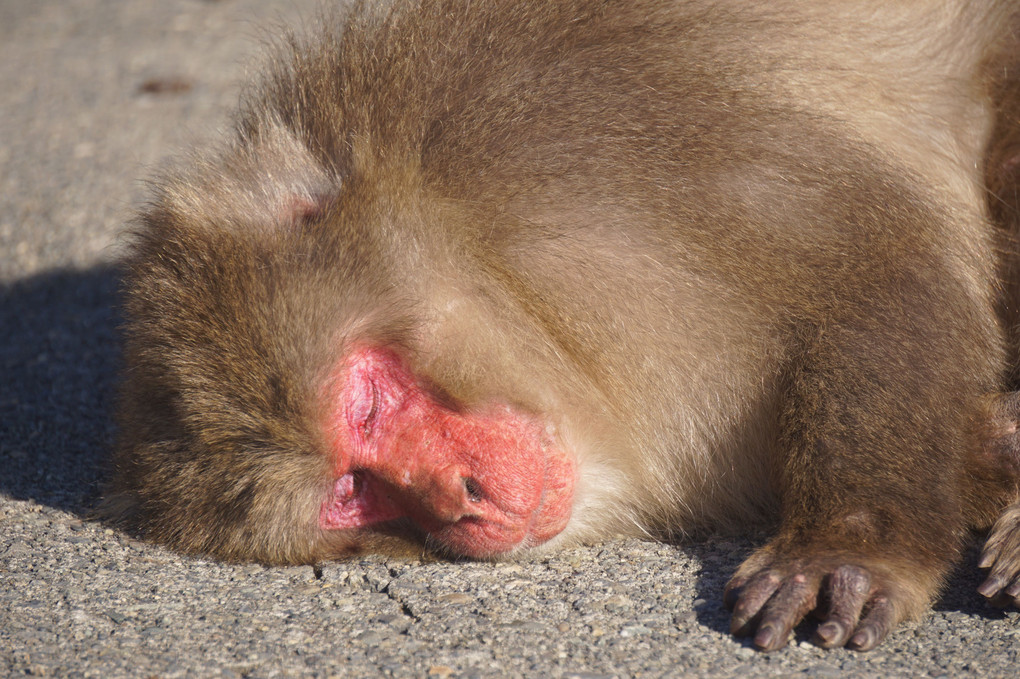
(875, 431)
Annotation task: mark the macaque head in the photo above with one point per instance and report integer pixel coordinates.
(274, 408)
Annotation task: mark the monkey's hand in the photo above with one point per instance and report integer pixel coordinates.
(858, 604)
(1002, 555)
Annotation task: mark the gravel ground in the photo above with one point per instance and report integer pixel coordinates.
(95, 94)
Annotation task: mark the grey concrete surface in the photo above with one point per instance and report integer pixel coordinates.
(93, 94)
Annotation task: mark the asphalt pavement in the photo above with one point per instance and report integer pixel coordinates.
(95, 94)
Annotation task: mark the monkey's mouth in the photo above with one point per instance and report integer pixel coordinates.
(480, 484)
(356, 502)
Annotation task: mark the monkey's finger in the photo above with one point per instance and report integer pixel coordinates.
(1004, 538)
(848, 591)
(758, 590)
(754, 566)
(797, 596)
(992, 548)
(731, 594)
(988, 555)
(1000, 592)
(1013, 591)
(876, 625)
(992, 586)
(1004, 577)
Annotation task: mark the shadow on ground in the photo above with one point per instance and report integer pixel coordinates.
(58, 355)
(960, 594)
(720, 560)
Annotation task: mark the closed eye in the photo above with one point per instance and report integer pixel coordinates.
(366, 426)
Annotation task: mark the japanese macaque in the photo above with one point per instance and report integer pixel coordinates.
(494, 278)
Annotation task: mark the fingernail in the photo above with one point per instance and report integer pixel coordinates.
(829, 633)
(862, 641)
(737, 624)
(991, 586)
(765, 637)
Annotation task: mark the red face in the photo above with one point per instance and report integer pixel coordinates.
(479, 483)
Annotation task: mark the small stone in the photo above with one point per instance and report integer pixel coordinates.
(457, 598)
(118, 618)
(618, 602)
(634, 631)
(371, 638)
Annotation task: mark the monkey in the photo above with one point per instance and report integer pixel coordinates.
(490, 279)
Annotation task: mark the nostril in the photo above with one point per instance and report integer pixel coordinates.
(472, 488)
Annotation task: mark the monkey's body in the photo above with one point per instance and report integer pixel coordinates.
(505, 277)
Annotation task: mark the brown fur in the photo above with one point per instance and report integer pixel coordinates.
(737, 253)
(999, 466)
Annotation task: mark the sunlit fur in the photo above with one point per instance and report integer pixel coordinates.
(736, 254)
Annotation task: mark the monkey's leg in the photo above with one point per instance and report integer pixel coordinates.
(876, 431)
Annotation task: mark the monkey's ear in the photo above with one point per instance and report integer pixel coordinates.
(304, 209)
(266, 182)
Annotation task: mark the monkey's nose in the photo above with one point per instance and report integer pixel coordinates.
(454, 498)
(473, 489)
